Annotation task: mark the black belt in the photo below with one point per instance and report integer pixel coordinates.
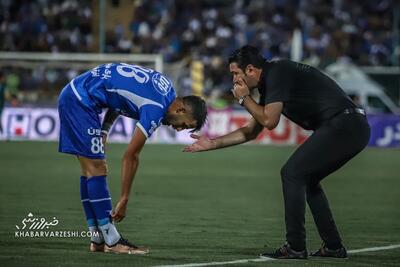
(348, 111)
(354, 111)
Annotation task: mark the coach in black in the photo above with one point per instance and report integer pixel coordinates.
(315, 102)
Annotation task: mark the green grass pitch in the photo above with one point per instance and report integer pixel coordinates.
(193, 208)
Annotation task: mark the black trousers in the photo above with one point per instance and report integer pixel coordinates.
(326, 150)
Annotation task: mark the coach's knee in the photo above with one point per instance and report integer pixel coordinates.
(286, 172)
(291, 173)
(97, 168)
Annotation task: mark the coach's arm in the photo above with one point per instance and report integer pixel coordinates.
(268, 116)
(130, 163)
(239, 136)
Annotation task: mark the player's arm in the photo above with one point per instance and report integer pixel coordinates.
(108, 121)
(239, 136)
(130, 163)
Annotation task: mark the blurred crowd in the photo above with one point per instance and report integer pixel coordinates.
(209, 30)
(360, 30)
(42, 25)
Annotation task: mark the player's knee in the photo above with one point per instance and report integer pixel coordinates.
(104, 167)
(97, 168)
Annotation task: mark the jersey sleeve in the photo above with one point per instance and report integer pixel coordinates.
(150, 118)
(279, 82)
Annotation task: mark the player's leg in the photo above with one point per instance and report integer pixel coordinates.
(76, 137)
(100, 201)
(96, 239)
(99, 196)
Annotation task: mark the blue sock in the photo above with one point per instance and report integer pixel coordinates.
(96, 235)
(87, 208)
(100, 201)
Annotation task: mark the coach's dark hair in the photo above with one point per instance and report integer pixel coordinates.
(199, 110)
(247, 55)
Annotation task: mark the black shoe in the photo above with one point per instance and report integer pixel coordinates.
(324, 251)
(285, 252)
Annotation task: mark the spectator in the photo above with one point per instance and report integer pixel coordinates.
(360, 30)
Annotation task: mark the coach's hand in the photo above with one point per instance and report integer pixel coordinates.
(240, 88)
(202, 144)
(119, 212)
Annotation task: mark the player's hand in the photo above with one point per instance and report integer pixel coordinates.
(104, 140)
(119, 212)
(104, 135)
(240, 88)
(202, 144)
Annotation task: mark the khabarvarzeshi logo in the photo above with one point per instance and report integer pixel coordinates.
(33, 223)
(39, 227)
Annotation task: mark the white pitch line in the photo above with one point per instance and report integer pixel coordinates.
(215, 263)
(261, 259)
(354, 251)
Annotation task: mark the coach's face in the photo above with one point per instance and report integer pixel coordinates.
(249, 76)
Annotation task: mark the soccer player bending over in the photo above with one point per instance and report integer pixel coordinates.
(133, 91)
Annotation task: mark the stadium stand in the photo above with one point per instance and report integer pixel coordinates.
(359, 30)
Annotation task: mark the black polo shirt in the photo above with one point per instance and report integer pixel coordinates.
(309, 97)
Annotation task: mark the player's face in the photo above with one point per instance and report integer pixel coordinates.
(249, 76)
(180, 121)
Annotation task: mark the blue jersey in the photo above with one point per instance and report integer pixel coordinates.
(133, 91)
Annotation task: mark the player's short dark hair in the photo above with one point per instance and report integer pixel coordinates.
(247, 55)
(199, 110)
